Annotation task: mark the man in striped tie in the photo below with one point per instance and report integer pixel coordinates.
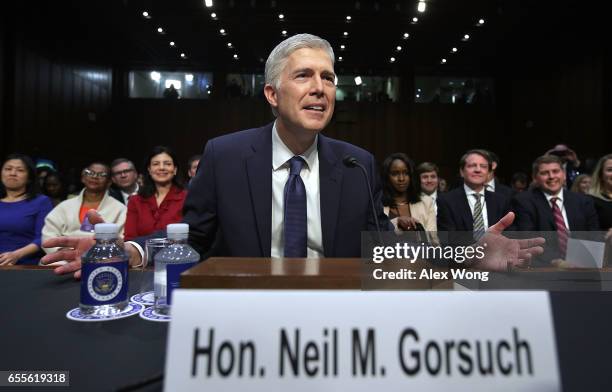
(548, 207)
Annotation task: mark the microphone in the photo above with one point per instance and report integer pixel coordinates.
(350, 162)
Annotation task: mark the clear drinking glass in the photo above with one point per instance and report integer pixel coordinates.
(152, 246)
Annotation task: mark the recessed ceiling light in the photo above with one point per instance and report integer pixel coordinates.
(481, 22)
(171, 43)
(342, 47)
(345, 34)
(392, 59)
(358, 80)
(340, 58)
(160, 30)
(398, 48)
(284, 33)
(146, 15)
(281, 16)
(213, 15)
(454, 50)
(466, 37)
(155, 76)
(229, 44)
(348, 18)
(415, 19)
(236, 56)
(183, 56)
(406, 35)
(222, 31)
(443, 61)
(208, 3)
(421, 7)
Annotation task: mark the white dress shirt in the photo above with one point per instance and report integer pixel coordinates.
(490, 186)
(472, 203)
(281, 154)
(560, 204)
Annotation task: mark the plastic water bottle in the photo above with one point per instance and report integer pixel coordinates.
(104, 279)
(170, 262)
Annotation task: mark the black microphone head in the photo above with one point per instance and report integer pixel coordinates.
(349, 161)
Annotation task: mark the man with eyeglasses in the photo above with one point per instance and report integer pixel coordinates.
(123, 176)
(69, 218)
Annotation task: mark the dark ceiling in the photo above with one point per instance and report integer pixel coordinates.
(116, 33)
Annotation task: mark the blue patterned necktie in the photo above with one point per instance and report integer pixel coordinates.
(295, 226)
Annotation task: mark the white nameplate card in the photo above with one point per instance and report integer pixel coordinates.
(246, 340)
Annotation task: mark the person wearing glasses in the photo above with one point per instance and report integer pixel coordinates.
(159, 201)
(70, 216)
(123, 176)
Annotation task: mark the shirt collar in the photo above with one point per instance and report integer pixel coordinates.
(281, 153)
(558, 196)
(469, 191)
(491, 185)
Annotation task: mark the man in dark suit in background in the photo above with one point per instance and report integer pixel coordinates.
(470, 207)
(549, 207)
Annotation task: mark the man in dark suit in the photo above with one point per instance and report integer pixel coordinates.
(470, 208)
(551, 208)
(282, 190)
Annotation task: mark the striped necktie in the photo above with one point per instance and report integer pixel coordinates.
(479, 228)
(562, 232)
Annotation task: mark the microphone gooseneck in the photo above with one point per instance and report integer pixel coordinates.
(350, 161)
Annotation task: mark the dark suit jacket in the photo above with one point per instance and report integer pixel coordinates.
(115, 192)
(533, 213)
(503, 190)
(454, 212)
(229, 205)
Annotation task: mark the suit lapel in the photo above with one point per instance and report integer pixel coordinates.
(571, 209)
(259, 172)
(466, 212)
(492, 207)
(330, 182)
(542, 204)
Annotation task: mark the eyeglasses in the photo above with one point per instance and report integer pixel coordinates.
(122, 172)
(91, 173)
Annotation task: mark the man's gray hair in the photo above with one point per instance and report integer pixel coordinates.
(278, 57)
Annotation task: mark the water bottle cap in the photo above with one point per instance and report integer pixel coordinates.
(177, 228)
(106, 228)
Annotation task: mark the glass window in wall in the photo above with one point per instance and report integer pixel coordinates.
(244, 85)
(170, 85)
(454, 90)
(367, 88)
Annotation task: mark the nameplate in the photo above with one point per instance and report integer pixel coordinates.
(243, 340)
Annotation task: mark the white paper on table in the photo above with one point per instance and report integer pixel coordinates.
(585, 254)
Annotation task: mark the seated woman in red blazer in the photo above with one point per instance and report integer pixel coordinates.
(159, 201)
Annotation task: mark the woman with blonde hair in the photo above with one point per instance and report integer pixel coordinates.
(601, 191)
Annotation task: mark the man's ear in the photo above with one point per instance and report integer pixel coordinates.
(270, 93)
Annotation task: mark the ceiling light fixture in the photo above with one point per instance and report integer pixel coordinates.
(146, 15)
(398, 48)
(405, 36)
(160, 30)
(415, 19)
(454, 50)
(421, 7)
(392, 59)
(208, 3)
(358, 80)
(281, 16)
